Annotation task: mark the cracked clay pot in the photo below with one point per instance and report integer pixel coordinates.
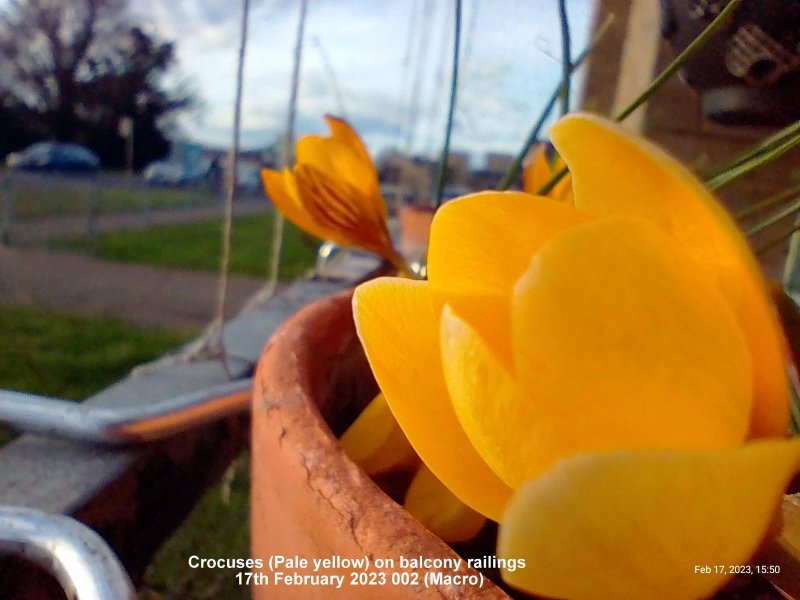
(309, 501)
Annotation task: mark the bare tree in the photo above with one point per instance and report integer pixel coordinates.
(76, 67)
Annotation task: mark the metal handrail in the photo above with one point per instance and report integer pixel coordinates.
(122, 426)
(75, 555)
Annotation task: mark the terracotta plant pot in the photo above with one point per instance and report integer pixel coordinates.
(415, 229)
(309, 501)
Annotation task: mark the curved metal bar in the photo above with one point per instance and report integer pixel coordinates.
(75, 555)
(129, 425)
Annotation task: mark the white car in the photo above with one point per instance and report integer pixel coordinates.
(164, 172)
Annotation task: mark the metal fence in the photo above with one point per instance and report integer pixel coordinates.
(37, 207)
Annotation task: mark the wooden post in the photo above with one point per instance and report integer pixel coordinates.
(144, 190)
(638, 60)
(7, 223)
(92, 205)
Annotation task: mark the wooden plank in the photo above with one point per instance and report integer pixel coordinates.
(638, 61)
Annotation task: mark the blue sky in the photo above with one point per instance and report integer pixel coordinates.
(389, 62)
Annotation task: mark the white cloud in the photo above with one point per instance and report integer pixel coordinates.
(510, 64)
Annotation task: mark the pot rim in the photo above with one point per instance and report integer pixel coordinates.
(285, 389)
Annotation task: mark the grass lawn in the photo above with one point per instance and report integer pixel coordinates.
(72, 357)
(218, 527)
(34, 198)
(197, 246)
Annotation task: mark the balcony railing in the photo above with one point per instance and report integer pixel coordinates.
(131, 461)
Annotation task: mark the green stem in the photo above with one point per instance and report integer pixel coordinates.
(553, 182)
(719, 22)
(764, 153)
(767, 203)
(772, 243)
(794, 424)
(401, 266)
(772, 219)
(451, 110)
(566, 56)
(761, 147)
(515, 169)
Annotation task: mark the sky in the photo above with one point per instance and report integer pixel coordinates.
(383, 64)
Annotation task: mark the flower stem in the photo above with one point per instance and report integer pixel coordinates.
(762, 154)
(772, 243)
(772, 219)
(719, 22)
(794, 424)
(515, 169)
(566, 56)
(451, 111)
(790, 320)
(769, 202)
(400, 264)
(762, 146)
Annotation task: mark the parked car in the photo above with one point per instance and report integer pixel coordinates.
(198, 172)
(249, 180)
(54, 156)
(164, 172)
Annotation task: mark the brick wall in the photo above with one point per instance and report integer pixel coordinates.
(672, 118)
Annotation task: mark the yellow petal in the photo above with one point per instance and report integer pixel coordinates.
(344, 157)
(618, 343)
(504, 427)
(375, 441)
(345, 134)
(640, 525)
(399, 332)
(617, 173)
(342, 211)
(433, 505)
(615, 328)
(281, 190)
(480, 245)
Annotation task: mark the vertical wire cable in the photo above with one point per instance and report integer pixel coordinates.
(288, 151)
(416, 90)
(404, 102)
(451, 110)
(231, 189)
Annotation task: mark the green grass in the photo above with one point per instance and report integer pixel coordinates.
(197, 246)
(72, 357)
(34, 201)
(218, 527)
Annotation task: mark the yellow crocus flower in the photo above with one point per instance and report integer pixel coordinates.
(376, 443)
(333, 192)
(430, 502)
(605, 379)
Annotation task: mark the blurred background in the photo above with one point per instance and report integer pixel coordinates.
(117, 124)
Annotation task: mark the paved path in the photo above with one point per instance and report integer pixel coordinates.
(142, 295)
